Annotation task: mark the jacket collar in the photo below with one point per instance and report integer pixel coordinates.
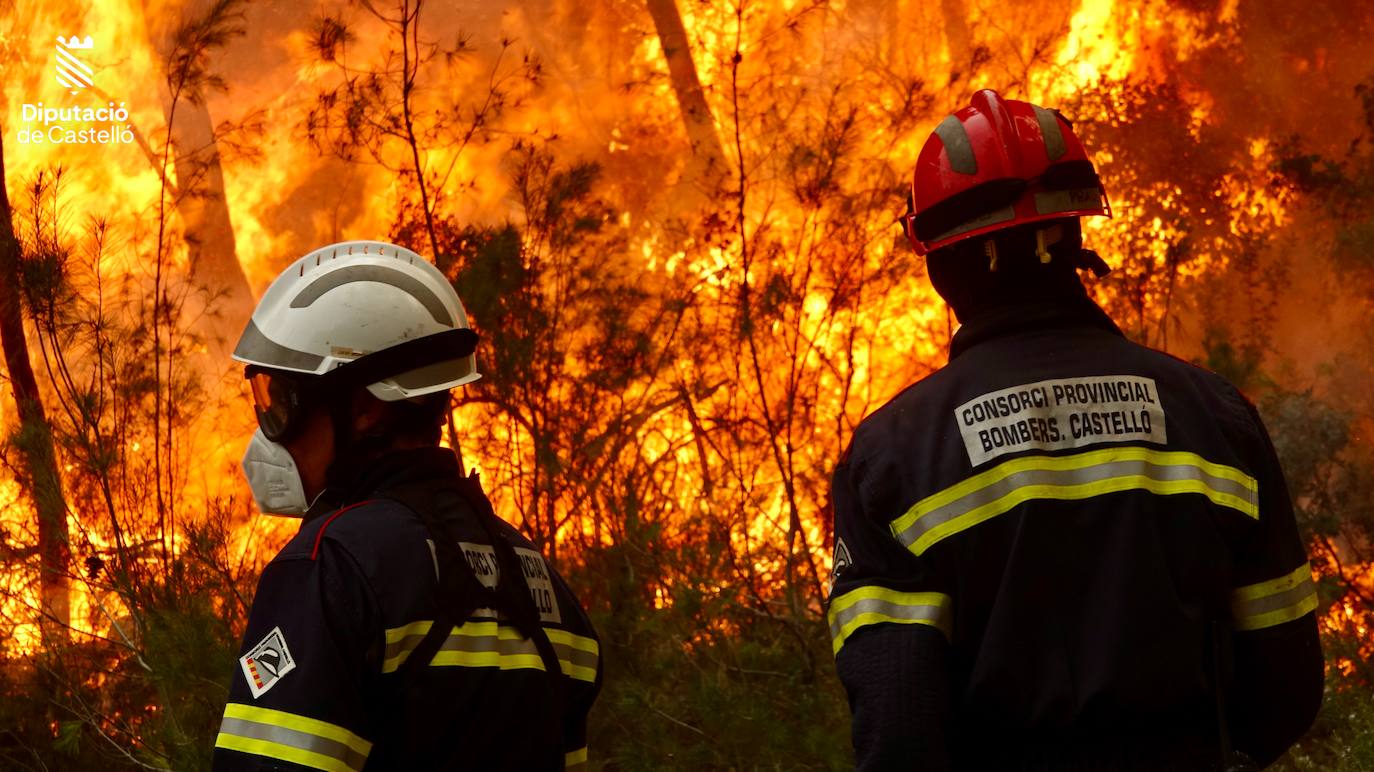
(1077, 311)
(397, 468)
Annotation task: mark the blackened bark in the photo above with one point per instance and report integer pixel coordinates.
(38, 460)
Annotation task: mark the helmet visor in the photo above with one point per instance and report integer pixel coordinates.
(276, 400)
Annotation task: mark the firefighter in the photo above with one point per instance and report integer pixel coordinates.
(1063, 550)
(405, 626)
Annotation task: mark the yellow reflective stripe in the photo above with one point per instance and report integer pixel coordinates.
(1297, 576)
(578, 642)
(1078, 476)
(494, 659)
(273, 750)
(577, 654)
(398, 634)
(578, 672)
(288, 737)
(1265, 604)
(487, 643)
(871, 605)
(299, 723)
(573, 758)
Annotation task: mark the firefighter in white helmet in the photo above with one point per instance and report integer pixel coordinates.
(405, 626)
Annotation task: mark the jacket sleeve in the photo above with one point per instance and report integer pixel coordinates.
(1278, 670)
(583, 668)
(890, 620)
(299, 686)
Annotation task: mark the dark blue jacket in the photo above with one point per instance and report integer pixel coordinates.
(325, 682)
(1050, 552)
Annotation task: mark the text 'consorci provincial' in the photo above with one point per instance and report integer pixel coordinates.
(1061, 413)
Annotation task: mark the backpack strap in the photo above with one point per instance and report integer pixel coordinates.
(462, 592)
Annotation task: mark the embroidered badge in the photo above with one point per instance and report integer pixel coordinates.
(265, 664)
(841, 559)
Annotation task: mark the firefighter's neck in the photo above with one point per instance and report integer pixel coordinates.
(314, 448)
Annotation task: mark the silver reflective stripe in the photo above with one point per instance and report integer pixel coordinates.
(1288, 599)
(1079, 476)
(872, 604)
(1049, 129)
(398, 648)
(995, 216)
(382, 275)
(439, 372)
(292, 738)
(575, 656)
(957, 146)
(892, 612)
(256, 347)
(484, 643)
(1068, 200)
(1274, 602)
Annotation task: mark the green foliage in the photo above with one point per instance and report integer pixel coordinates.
(1340, 740)
(705, 685)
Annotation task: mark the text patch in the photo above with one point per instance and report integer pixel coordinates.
(1061, 413)
(482, 559)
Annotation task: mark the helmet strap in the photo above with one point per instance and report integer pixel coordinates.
(342, 467)
(1044, 239)
(1092, 261)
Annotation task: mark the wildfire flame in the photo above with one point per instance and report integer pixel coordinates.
(624, 112)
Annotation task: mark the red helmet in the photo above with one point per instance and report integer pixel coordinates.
(996, 164)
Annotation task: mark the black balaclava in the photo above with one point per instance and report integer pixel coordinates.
(980, 275)
(356, 454)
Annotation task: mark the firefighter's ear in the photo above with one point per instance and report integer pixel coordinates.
(369, 413)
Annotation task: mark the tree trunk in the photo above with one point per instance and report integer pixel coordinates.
(38, 460)
(200, 198)
(204, 213)
(707, 167)
(956, 35)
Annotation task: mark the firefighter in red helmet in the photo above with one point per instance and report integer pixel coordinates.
(1063, 550)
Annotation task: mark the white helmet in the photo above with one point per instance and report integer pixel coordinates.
(343, 304)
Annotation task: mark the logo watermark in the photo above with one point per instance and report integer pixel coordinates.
(107, 125)
(72, 72)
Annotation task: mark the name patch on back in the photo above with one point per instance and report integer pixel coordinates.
(482, 559)
(1061, 413)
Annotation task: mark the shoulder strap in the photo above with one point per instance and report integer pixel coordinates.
(512, 594)
(460, 593)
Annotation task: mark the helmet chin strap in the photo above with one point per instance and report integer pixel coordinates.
(1045, 238)
(343, 470)
(352, 450)
(1092, 261)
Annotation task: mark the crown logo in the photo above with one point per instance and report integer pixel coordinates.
(71, 71)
